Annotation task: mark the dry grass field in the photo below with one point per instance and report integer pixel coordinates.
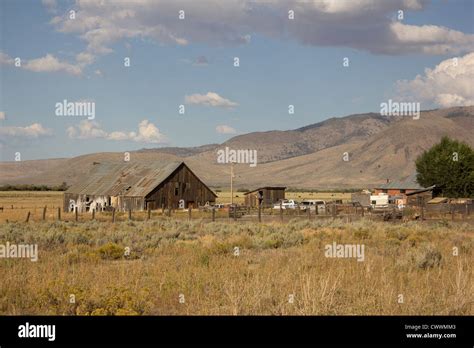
(178, 267)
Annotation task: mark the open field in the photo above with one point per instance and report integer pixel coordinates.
(193, 267)
(196, 262)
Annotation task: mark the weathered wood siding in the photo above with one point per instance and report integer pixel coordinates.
(270, 197)
(182, 184)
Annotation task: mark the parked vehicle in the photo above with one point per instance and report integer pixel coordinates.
(313, 204)
(286, 204)
(379, 201)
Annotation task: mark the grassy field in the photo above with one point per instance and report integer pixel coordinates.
(169, 266)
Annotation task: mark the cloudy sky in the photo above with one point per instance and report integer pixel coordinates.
(143, 62)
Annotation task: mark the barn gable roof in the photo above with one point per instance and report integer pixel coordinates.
(131, 179)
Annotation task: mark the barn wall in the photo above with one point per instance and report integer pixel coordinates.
(133, 203)
(84, 203)
(182, 184)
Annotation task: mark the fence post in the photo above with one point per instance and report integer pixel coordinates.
(213, 214)
(113, 215)
(44, 213)
(452, 211)
(93, 214)
(334, 210)
(76, 214)
(130, 213)
(235, 212)
(189, 212)
(28, 217)
(466, 211)
(309, 212)
(169, 211)
(259, 213)
(281, 211)
(59, 214)
(162, 209)
(149, 213)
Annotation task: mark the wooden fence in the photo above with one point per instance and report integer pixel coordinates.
(347, 212)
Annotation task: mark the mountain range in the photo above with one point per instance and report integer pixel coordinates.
(356, 151)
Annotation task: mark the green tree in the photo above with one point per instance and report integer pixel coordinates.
(450, 166)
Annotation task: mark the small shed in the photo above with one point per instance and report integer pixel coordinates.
(265, 196)
(420, 197)
(362, 198)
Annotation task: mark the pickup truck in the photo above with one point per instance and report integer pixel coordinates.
(286, 204)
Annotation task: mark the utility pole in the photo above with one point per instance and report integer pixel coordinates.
(232, 183)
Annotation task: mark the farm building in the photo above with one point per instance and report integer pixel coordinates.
(420, 197)
(138, 186)
(363, 198)
(399, 187)
(264, 196)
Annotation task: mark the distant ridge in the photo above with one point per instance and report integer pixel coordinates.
(379, 147)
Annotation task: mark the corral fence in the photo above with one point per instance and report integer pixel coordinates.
(345, 211)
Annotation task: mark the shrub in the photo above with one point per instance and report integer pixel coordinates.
(111, 251)
(427, 257)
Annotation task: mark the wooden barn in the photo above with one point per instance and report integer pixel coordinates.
(265, 196)
(138, 186)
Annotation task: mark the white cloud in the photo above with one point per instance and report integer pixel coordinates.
(50, 63)
(34, 130)
(431, 39)
(85, 58)
(450, 83)
(6, 59)
(224, 129)
(209, 99)
(86, 130)
(361, 24)
(147, 133)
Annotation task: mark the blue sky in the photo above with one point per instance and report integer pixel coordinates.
(282, 62)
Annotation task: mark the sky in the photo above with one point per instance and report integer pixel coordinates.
(139, 63)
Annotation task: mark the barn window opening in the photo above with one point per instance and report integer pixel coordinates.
(176, 191)
(403, 191)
